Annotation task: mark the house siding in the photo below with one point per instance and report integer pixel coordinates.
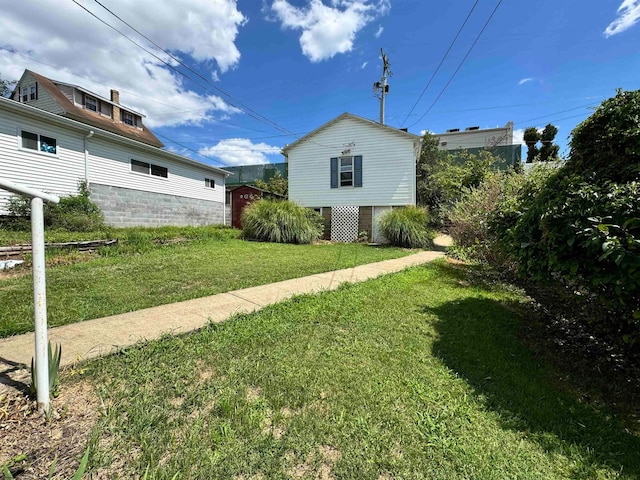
(127, 198)
(45, 101)
(57, 174)
(388, 166)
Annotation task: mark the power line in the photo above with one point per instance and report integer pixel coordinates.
(556, 113)
(441, 62)
(461, 63)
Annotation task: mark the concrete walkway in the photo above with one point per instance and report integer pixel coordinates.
(93, 338)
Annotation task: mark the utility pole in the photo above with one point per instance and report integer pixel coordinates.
(381, 88)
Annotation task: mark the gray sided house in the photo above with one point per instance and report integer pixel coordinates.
(352, 170)
(53, 135)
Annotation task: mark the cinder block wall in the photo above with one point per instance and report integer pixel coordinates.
(124, 207)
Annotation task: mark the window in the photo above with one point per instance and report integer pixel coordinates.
(91, 103)
(25, 94)
(346, 171)
(128, 118)
(32, 93)
(149, 169)
(209, 183)
(41, 143)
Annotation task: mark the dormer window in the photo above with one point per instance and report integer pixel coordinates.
(90, 103)
(128, 118)
(32, 93)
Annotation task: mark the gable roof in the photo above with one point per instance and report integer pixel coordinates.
(79, 114)
(27, 110)
(345, 115)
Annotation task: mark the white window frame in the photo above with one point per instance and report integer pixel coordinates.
(39, 136)
(209, 183)
(33, 92)
(87, 99)
(149, 172)
(133, 118)
(351, 170)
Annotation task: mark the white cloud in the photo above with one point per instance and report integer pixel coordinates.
(518, 136)
(78, 49)
(328, 30)
(364, 65)
(525, 80)
(240, 151)
(379, 31)
(628, 16)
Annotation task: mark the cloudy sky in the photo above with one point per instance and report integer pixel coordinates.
(231, 82)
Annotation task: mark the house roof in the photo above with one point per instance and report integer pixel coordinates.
(38, 113)
(79, 114)
(308, 136)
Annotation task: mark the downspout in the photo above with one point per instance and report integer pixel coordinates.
(86, 157)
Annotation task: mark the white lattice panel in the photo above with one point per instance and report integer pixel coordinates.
(344, 223)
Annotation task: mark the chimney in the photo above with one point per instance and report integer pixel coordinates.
(115, 98)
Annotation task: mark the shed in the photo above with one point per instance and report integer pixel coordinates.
(242, 196)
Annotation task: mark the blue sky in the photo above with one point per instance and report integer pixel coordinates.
(263, 73)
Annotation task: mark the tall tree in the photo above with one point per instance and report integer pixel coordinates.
(276, 184)
(549, 150)
(6, 86)
(531, 138)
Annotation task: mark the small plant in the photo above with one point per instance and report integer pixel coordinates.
(52, 470)
(281, 221)
(54, 369)
(363, 237)
(406, 227)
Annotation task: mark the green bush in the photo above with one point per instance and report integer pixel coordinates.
(607, 144)
(483, 219)
(75, 213)
(281, 221)
(406, 227)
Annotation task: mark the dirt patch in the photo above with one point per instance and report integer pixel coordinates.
(34, 441)
(253, 394)
(318, 464)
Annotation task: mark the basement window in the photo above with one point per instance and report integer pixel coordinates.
(209, 183)
(149, 169)
(39, 143)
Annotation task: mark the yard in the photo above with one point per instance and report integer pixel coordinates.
(421, 374)
(158, 266)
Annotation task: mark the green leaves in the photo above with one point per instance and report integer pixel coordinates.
(54, 369)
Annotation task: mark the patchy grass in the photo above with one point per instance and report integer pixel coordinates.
(414, 375)
(159, 266)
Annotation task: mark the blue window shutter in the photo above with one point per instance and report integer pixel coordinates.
(334, 173)
(357, 171)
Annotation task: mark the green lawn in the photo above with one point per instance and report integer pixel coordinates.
(418, 375)
(147, 269)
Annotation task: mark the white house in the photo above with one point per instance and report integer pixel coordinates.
(53, 135)
(476, 137)
(351, 170)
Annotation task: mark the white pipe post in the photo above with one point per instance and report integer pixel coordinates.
(40, 304)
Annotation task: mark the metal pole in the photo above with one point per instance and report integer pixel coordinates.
(40, 304)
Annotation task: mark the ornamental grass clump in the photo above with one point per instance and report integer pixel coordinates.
(281, 221)
(406, 227)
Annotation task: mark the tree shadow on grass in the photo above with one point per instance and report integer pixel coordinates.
(478, 340)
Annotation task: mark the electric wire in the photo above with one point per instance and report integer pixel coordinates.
(435, 72)
(460, 65)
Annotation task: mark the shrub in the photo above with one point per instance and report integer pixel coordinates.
(406, 227)
(483, 220)
(607, 144)
(281, 221)
(75, 213)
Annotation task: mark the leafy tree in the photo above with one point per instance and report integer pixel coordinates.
(442, 178)
(606, 146)
(276, 184)
(549, 150)
(6, 86)
(531, 138)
